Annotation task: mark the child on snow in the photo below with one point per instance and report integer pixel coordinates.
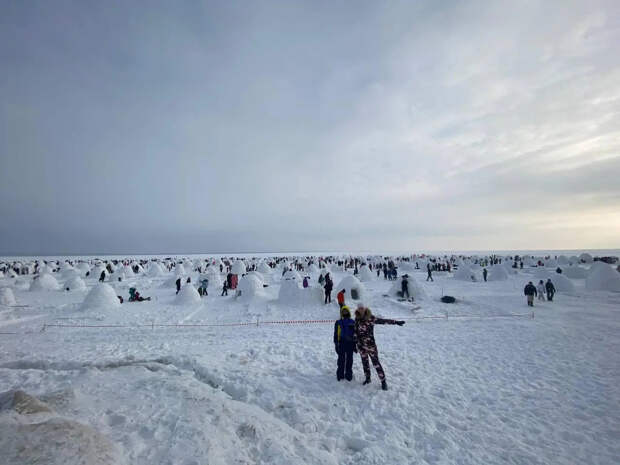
(344, 343)
(541, 290)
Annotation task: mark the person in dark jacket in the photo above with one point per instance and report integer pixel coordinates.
(225, 288)
(429, 272)
(102, 276)
(404, 286)
(329, 285)
(178, 283)
(530, 292)
(485, 274)
(550, 288)
(365, 323)
(345, 344)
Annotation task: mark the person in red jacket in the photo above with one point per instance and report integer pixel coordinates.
(340, 298)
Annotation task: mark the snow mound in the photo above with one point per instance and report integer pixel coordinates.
(179, 271)
(498, 273)
(603, 277)
(45, 282)
(575, 272)
(292, 274)
(101, 295)
(293, 294)
(188, 295)
(365, 275)
(7, 297)
(465, 273)
(415, 290)
(75, 284)
(264, 268)
(250, 286)
(238, 268)
(586, 257)
(155, 270)
(352, 286)
(562, 283)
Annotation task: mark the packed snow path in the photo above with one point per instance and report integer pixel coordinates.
(507, 390)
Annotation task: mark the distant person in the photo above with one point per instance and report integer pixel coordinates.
(321, 279)
(521, 265)
(305, 282)
(345, 344)
(429, 272)
(225, 288)
(202, 290)
(558, 270)
(340, 298)
(102, 277)
(134, 296)
(329, 285)
(404, 287)
(530, 292)
(484, 274)
(365, 323)
(178, 283)
(550, 288)
(540, 289)
(189, 280)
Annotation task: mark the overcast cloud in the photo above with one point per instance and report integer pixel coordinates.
(161, 127)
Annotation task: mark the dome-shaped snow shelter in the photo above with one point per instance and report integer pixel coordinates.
(415, 290)
(292, 274)
(562, 284)
(102, 296)
(354, 289)
(7, 297)
(313, 269)
(541, 273)
(83, 267)
(155, 270)
(179, 270)
(575, 272)
(563, 260)
(188, 295)
(44, 282)
(249, 287)
(75, 284)
(365, 275)
(264, 268)
(465, 273)
(586, 258)
(96, 272)
(293, 294)
(603, 277)
(238, 268)
(497, 273)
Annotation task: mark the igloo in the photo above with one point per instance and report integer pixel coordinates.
(45, 282)
(102, 295)
(292, 274)
(155, 270)
(415, 290)
(354, 289)
(238, 268)
(575, 272)
(603, 277)
(562, 283)
(365, 275)
(293, 294)
(188, 295)
(497, 273)
(75, 284)
(465, 273)
(586, 258)
(250, 286)
(264, 268)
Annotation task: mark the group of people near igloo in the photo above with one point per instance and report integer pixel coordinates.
(357, 336)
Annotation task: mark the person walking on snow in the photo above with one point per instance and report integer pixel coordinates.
(345, 344)
(484, 274)
(178, 283)
(530, 292)
(340, 298)
(540, 290)
(224, 288)
(429, 272)
(365, 323)
(550, 290)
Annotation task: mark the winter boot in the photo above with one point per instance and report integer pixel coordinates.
(384, 385)
(367, 381)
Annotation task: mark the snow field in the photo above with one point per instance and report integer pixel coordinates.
(505, 390)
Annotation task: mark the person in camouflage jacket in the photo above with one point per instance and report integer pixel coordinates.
(365, 323)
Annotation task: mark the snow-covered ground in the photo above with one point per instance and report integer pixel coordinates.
(505, 390)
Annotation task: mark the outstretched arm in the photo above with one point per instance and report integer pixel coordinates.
(387, 321)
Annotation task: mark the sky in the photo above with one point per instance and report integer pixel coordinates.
(212, 127)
